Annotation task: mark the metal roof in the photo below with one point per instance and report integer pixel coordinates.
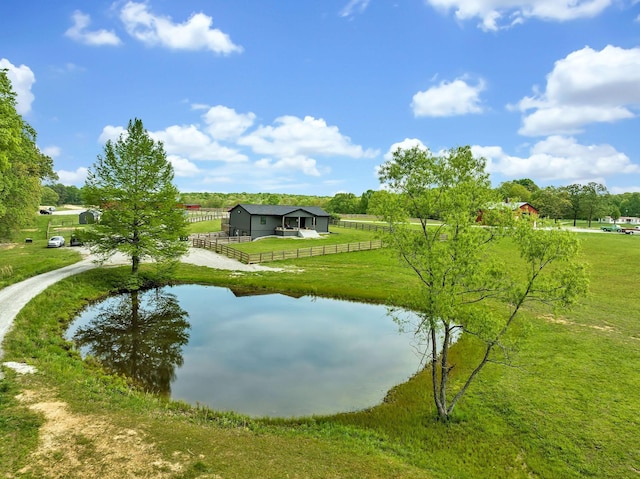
(280, 210)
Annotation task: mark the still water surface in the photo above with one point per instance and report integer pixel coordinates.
(261, 355)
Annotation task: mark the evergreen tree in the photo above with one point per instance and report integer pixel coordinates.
(131, 183)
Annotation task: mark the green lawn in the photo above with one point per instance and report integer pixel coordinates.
(337, 235)
(209, 226)
(568, 410)
(20, 260)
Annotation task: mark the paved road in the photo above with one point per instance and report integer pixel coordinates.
(13, 298)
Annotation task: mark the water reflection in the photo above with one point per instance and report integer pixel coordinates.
(264, 355)
(139, 335)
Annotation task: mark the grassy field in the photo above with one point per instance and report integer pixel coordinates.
(21, 260)
(569, 410)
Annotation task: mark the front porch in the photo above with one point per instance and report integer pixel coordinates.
(286, 231)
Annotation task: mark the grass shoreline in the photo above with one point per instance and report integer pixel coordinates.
(569, 410)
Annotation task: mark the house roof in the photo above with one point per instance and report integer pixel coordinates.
(281, 210)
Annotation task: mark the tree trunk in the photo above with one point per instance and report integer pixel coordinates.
(135, 264)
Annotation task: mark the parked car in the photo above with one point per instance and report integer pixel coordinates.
(611, 228)
(55, 242)
(45, 212)
(75, 241)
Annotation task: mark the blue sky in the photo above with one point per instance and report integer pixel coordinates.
(310, 97)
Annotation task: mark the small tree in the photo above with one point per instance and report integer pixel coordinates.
(465, 288)
(131, 183)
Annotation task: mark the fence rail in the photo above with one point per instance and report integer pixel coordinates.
(360, 226)
(196, 218)
(251, 258)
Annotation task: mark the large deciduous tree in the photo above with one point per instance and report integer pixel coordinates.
(551, 202)
(132, 184)
(595, 203)
(22, 165)
(465, 287)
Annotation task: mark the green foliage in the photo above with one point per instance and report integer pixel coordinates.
(131, 183)
(551, 202)
(627, 203)
(528, 183)
(514, 191)
(22, 165)
(67, 195)
(49, 196)
(227, 200)
(595, 202)
(346, 203)
(459, 274)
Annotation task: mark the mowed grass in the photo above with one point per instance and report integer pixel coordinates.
(337, 235)
(568, 409)
(20, 260)
(208, 226)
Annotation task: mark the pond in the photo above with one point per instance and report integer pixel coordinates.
(260, 355)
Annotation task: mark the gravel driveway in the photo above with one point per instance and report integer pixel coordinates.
(13, 298)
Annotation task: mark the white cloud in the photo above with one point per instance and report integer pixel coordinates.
(192, 143)
(22, 79)
(559, 158)
(448, 99)
(194, 34)
(51, 151)
(496, 14)
(353, 7)
(183, 167)
(294, 142)
(287, 148)
(110, 132)
(223, 123)
(79, 33)
(405, 144)
(587, 86)
(294, 137)
(77, 177)
(307, 165)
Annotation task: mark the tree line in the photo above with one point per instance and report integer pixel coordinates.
(576, 202)
(589, 202)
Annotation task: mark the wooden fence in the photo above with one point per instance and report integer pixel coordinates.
(203, 217)
(360, 226)
(251, 258)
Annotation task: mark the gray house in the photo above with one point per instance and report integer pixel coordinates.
(275, 220)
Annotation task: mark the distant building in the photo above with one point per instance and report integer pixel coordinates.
(276, 220)
(627, 220)
(520, 207)
(189, 206)
(89, 217)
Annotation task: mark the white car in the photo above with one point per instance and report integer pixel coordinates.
(55, 242)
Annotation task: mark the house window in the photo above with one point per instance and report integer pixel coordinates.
(263, 220)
